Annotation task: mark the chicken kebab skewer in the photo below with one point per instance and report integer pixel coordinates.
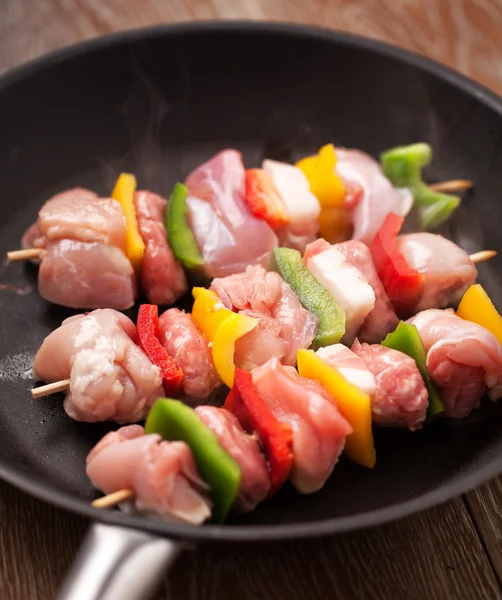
(112, 378)
(270, 436)
(106, 339)
(213, 224)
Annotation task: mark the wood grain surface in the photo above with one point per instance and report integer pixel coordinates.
(450, 552)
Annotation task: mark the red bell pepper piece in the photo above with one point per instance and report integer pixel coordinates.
(402, 283)
(264, 200)
(255, 416)
(147, 333)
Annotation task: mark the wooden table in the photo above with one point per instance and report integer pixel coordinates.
(450, 552)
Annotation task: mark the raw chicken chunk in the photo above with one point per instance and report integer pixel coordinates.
(162, 277)
(285, 326)
(84, 263)
(86, 275)
(319, 430)
(298, 236)
(343, 281)
(463, 358)
(79, 214)
(379, 196)
(382, 319)
(351, 366)
(254, 289)
(401, 399)
(229, 236)
(245, 450)
(190, 351)
(293, 187)
(302, 207)
(448, 271)
(163, 475)
(260, 344)
(110, 377)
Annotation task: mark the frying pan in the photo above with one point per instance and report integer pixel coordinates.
(157, 102)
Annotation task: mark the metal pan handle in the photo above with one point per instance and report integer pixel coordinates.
(117, 562)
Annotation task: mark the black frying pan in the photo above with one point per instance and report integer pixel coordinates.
(158, 102)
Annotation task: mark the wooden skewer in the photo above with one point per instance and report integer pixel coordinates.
(454, 185)
(113, 499)
(483, 255)
(28, 254)
(32, 253)
(51, 388)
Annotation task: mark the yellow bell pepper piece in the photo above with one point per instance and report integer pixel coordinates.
(324, 182)
(308, 166)
(123, 192)
(208, 312)
(335, 224)
(223, 346)
(222, 328)
(477, 307)
(353, 403)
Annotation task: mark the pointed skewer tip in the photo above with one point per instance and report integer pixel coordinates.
(455, 185)
(27, 254)
(482, 255)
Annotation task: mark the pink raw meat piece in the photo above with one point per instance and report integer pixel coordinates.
(229, 236)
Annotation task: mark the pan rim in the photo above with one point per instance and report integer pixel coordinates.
(250, 533)
(429, 65)
(270, 532)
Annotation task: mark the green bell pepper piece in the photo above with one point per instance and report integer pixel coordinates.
(403, 166)
(175, 421)
(179, 234)
(406, 339)
(313, 296)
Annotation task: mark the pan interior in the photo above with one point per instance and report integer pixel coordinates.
(158, 105)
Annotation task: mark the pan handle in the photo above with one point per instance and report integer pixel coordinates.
(118, 562)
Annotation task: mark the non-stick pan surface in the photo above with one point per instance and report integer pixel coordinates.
(158, 102)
